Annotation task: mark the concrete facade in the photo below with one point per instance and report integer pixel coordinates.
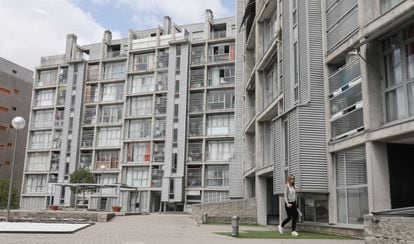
(15, 93)
(154, 111)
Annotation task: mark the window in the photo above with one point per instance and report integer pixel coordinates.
(89, 115)
(386, 5)
(106, 179)
(57, 140)
(174, 163)
(197, 78)
(195, 126)
(220, 99)
(215, 196)
(195, 151)
(351, 186)
(112, 92)
(93, 72)
(140, 128)
(156, 176)
(138, 152)
(220, 76)
(398, 52)
(37, 162)
(44, 98)
(217, 175)
(267, 144)
(47, 77)
(137, 176)
(35, 184)
(111, 114)
(171, 195)
(144, 62)
(197, 54)
(220, 124)
(220, 150)
(159, 128)
(142, 83)
(40, 139)
(158, 152)
(107, 159)
(63, 75)
(114, 71)
(196, 102)
(221, 52)
(42, 119)
(163, 56)
(109, 136)
(139, 106)
(91, 93)
(194, 175)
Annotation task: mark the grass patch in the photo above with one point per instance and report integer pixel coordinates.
(286, 235)
(229, 224)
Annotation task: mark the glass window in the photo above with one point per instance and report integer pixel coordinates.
(35, 184)
(386, 5)
(217, 175)
(42, 118)
(109, 136)
(142, 83)
(137, 176)
(140, 106)
(220, 150)
(107, 159)
(44, 98)
(351, 185)
(38, 162)
(220, 99)
(194, 176)
(112, 92)
(215, 196)
(138, 152)
(114, 71)
(111, 114)
(140, 128)
(143, 62)
(40, 140)
(220, 124)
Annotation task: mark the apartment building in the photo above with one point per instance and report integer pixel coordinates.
(153, 116)
(369, 70)
(328, 98)
(15, 93)
(284, 106)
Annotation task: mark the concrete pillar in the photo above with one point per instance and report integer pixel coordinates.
(70, 40)
(261, 200)
(167, 25)
(379, 194)
(333, 215)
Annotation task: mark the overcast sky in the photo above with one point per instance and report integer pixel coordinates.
(34, 28)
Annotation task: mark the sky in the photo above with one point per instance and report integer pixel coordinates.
(31, 29)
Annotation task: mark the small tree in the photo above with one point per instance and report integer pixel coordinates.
(4, 193)
(81, 176)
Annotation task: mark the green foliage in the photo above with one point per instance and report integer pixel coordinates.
(4, 192)
(81, 176)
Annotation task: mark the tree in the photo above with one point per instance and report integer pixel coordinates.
(4, 193)
(81, 176)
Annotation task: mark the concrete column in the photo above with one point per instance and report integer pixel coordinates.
(379, 195)
(261, 200)
(333, 216)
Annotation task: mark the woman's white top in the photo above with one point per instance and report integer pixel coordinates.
(290, 194)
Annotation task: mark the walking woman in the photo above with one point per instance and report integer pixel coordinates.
(290, 206)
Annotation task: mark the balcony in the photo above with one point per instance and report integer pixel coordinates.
(197, 78)
(106, 165)
(195, 126)
(114, 75)
(217, 34)
(195, 151)
(163, 57)
(87, 138)
(156, 177)
(158, 152)
(222, 81)
(196, 102)
(197, 55)
(220, 57)
(160, 105)
(86, 160)
(159, 128)
(194, 176)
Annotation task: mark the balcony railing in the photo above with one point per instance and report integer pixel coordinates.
(220, 57)
(106, 165)
(144, 67)
(41, 83)
(222, 81)
(114, 75)
(218, 34)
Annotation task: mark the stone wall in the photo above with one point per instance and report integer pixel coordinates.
(57, 216)
(388, 229)
(223, 211)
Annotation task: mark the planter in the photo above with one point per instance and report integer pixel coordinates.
(116, 209)
(53, 207)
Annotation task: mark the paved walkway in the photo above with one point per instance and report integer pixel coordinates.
(153, 229)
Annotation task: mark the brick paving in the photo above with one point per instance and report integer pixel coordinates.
(153, 229)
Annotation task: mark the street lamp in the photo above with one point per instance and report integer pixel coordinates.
(18, 123)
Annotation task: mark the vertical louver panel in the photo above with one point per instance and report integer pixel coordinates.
(351, 167)
(312, 150)
(304, 94)
(277, 158)
(294, 167)
(286, 55)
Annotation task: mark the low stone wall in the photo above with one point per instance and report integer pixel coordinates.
(332, 229)
(46, 216)
(223, 211)
(388, 229)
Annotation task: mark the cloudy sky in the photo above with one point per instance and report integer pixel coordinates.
(34, 28)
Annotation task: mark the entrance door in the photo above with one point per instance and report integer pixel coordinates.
(401, 168)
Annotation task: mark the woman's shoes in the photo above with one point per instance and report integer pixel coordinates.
(280, 228)
(295, 234)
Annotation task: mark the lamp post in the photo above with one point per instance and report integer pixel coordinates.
(18, 123)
